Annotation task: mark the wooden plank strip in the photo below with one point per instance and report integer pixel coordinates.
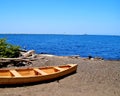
(40, 71)
(15, 73)
(58, 68)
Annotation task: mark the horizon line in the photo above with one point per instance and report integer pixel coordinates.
(56, 34)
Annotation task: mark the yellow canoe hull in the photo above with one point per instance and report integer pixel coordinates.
(31, 75)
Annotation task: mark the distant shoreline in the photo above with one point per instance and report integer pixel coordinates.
(58, 34)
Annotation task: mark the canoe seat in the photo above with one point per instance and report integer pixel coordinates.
(58, 68)
(71, 65)
(40, 71)
(15, 73)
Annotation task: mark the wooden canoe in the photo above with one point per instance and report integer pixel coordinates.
(30, 75)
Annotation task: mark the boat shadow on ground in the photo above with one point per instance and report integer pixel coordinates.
(36, 83)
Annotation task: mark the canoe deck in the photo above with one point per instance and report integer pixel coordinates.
(28, 75)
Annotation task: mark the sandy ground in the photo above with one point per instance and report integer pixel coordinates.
(93, 78)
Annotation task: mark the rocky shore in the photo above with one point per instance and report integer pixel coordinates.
(94, 77)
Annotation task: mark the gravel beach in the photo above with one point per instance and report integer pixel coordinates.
(93, 78)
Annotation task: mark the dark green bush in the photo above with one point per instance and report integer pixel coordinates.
(8, 50)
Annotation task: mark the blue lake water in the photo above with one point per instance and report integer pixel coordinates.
(107, 47)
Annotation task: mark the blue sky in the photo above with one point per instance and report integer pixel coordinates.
(101, 17)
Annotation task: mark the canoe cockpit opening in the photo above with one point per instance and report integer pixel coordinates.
(28, 72)
(49, 70)
(33, 71)
(6, 73)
